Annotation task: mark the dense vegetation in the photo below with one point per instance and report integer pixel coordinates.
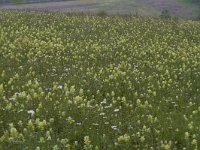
(89, 82)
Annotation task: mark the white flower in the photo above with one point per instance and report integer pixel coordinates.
(135, 65)
(11, 99)
(31, 112)
(78, 123)
(95, 124)
(114, 127)
(17, 93)
(116, 110)
(60, 87)
(107, 106)
(102, 114)
(103, 102)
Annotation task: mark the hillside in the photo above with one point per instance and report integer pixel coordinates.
(153, 8)
(89, 82)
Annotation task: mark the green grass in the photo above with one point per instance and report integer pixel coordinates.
(88, 82)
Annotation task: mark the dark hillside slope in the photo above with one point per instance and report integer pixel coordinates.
(177, 8)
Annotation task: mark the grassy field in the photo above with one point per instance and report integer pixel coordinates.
(87, 82)
(153, 8)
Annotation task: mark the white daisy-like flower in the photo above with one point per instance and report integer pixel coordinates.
(60, 87)
(114, 127)
(32, 112)
(107, 106)
(11, 99)
(103, 102)
(102, 114)
(95, 124)
(116, 110)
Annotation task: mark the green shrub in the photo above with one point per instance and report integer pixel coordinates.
(165, 14)
(102, 13)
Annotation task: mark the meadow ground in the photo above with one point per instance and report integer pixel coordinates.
(88, 82)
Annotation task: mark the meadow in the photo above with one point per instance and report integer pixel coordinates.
(104, 83)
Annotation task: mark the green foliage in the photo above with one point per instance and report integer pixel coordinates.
(90, 82)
